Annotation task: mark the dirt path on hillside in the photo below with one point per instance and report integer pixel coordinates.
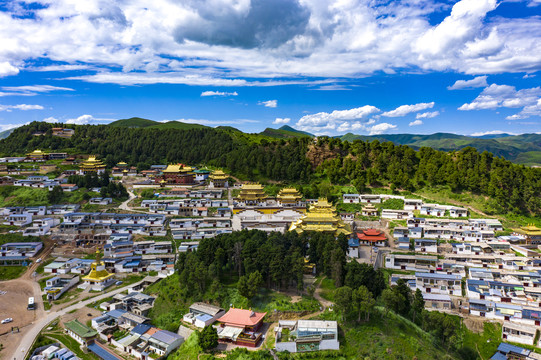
(458, 203)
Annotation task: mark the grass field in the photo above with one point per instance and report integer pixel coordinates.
(11, 272)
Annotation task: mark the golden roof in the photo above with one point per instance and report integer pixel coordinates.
(530, 230)
(321, 217)
(92, 162)
(37, 153)
(177, 168)
(218, 175)
(289, 194)
(97, 270)
(122, 163)
(252, 187)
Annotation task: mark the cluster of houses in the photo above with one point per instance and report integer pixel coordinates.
(53, 351)
(18, 253)
(410, 207)
(460, 266)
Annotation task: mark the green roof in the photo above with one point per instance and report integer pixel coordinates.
(80, 329)
(202, 171)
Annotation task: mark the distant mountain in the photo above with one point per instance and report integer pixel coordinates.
(284, 132)
(134, 122)
(523, 149)
(290, 129)
(492, 136)
(6, 133)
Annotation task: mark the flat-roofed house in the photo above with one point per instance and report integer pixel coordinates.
(439, 283)
(202, 314)
(306, 335)
(518, 333)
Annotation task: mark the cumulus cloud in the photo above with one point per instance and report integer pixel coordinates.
(23, 107)
(269, 103)
(243, 24)
(224, 42)
(6, 69)
(51, 120)
(407, 109)
(380, 128)
(479, 81)
(280, 121)
(416, 122)
(427, 115)
(81, 120)
(324, 123)
(218, 93)
(498, 96)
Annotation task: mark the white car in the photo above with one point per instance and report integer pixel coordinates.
(7, 320)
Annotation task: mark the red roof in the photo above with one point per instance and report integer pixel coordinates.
(372, 235)
(241, 318)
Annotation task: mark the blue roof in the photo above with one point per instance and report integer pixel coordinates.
(116, 313)
(498, 356)
(140, 329)
(204, 317)
(507, 348)
(165, 336)
(102, 353)
(353, 242)
(438, 276)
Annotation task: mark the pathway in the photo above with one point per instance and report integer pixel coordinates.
(28, 339)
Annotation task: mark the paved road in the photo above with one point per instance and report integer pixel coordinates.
(28, 339)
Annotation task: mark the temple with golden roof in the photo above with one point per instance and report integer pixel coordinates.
(92, 164)
(218, 179)
(532, 233)
(176, 174)
(289, 197)
(252, 194)
(321, 217)
(98, 278)
(37, 155)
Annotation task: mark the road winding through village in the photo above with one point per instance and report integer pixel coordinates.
(36, 327)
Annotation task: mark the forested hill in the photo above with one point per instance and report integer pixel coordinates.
(299, 160)
(522, 149)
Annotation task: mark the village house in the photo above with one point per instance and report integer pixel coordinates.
(306, 335)
(240, 327)
(80, 332)
(202, 314)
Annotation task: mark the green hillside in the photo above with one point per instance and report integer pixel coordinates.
(522, 149)
(285, 132)
(176, 125)
(134, 122)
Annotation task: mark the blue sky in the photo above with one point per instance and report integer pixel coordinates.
(327, 67)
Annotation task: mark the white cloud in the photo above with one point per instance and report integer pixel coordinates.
(279, 121)
(6, 69)
(81, 120)
(406, 109)
(497, 96)
(380, 128)
(23, 107)
(479, 81)
(324, 123)
(216, 42)
(269, 103)
(51, 120)
(528, 76)
(491, 132)
(416, 122)
(218, 93)
(427, 115)
(4, 127)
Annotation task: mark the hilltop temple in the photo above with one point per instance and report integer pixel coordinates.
(176, 174)
(37, 155)
(289, 197)
(98, 278)
(321, 217)
(92, 165)
(252, 194)
(218, 179)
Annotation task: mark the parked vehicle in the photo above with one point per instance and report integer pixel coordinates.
(7, 320)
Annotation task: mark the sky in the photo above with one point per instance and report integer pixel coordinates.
(328, 67)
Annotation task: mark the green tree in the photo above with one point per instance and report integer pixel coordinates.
(248, 285)
(418, 304)
(363, 302)
(208, 338)
(343, 296)
(56, 195)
